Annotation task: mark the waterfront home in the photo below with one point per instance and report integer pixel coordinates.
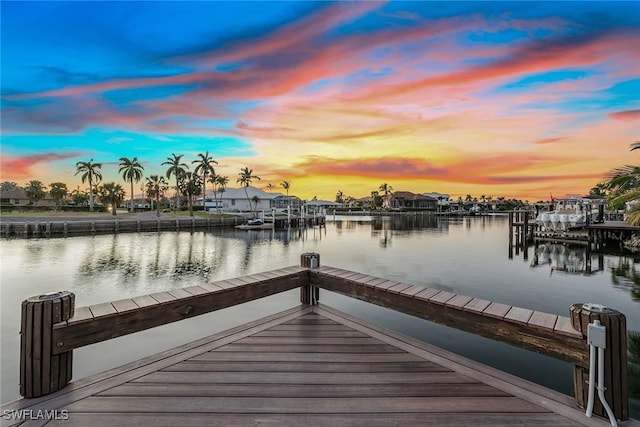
(443, 199)
(407, 199)
(322, 204)
(235, 200)
(19, 198)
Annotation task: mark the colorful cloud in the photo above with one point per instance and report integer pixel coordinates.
(511, 98)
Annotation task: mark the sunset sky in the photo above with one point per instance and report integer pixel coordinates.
(515, 99)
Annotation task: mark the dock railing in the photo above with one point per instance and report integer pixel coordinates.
(52, 327)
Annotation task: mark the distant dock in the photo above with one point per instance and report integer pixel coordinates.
(523, 228)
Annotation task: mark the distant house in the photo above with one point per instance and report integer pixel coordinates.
(407, 199)
(322, 204)
(443, 199)
(235, 200)
(19, 198)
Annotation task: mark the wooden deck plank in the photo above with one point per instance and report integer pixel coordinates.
(301, 348)
(304, 378)
(309, 340)
(413, 290)
(195, 290)
(442, 297)
(303, 390)
(144, 301)
(365, 358)
(543, 320)
(162, 297)
(211, 287)
(246, 405)
(124, 305)
(387, 284)
(313, 419)
(426, 294)
(103, 309)
(304, 333)
(496, 310)
(518, 315)
(564, 326)
(269, 366)
(459, 301)
(397, 289)
(476, 305)
(81, 314)
(179, 293)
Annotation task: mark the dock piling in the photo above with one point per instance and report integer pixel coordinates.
(615, 359)
(310, 294)
(42, 372)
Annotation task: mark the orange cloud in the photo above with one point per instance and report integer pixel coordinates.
(21, 167)
(549, 140)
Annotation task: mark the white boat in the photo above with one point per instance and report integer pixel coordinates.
(570, 213)
(255, 224)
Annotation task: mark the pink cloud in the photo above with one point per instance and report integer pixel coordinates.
(549, 140)
(21, 167)
(625, 115)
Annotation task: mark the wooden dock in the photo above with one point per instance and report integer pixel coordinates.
(309, 365)
(306, 366)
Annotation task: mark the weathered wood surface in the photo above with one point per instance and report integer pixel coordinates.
(615, 360)
(110, 320)
(540, 332)
(42, 370)
(408, 384)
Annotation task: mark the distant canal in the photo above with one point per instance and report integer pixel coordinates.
(469, 256)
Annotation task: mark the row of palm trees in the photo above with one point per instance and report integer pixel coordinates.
(187, 183)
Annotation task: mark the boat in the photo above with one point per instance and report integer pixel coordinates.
(569, 213)
(255, 224)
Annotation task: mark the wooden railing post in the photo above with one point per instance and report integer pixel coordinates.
(41, 372)
(615, 359)
(310, 294)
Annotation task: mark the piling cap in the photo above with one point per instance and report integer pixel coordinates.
(50, 296)
(598, 308)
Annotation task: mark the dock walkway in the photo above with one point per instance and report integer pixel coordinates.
(309, 365)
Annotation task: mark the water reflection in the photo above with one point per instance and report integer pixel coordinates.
(633, 366)
(461, 255)
(624, 275)
(570, 259)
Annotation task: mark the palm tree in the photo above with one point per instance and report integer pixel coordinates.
(190, 185)
(176, 168)
(204, 167)
(339, 197)
(287, 185)
(245, 178)
(256, 201)
(222, 182)
(213, 179)
(35, 191)
(386, 190)
(90, 172)
(131, 170)
(156, 187)
(111, 194)
(270, 187)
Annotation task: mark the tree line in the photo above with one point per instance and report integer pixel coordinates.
(188, 184)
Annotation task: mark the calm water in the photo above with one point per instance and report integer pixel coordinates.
(468, 256)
